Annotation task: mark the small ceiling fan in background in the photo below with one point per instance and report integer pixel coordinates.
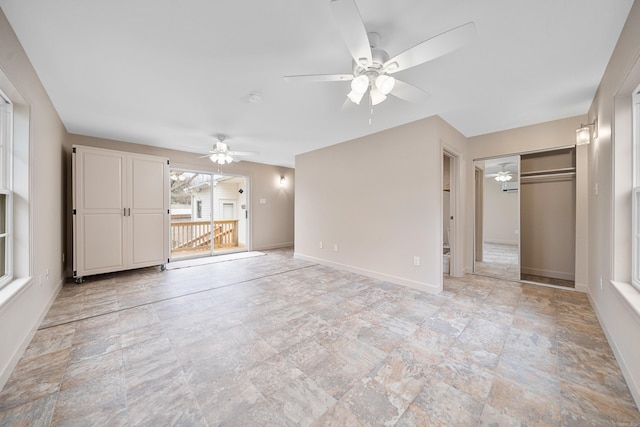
(222, 154)
(373, 68)
(503, 175)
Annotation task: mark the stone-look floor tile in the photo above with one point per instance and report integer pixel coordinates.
(84, 371)
(374, 404)
(484, 334)
(273, 374)
(584, 335)
(582, 405)
(603, 376)
(99, 402)
(478, 356)
(336, 376)
(50, 340)
(36, 413)
(427, 346)
(401, 373)
(34, 378)
(466, 377)
(440, 404)
(449, 321)
(277, 341)
(492, 417)
(307, 355)
(519, 402)
(339, 416)
(134, 318)
(302, 401)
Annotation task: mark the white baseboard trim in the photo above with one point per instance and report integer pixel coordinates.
(503, 242)
(581, 287)
(548, 273)
(272, 246)
(7, 370)
(421, 286)
(632, 383)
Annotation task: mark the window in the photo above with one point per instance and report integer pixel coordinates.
(6, 205)
(635, 215)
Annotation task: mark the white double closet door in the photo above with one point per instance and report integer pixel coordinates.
(121, 210)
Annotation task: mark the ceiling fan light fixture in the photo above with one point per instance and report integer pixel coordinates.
(377, 96)
(360, 84)
(503, 176)
(355, 97)
(385, 83)
(228, 159)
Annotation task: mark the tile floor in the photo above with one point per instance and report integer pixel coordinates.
(275, 341)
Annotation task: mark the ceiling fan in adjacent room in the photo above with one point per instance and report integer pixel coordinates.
(222, 154)
(503, 175)
(372, 67)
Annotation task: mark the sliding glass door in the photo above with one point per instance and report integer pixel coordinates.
(208, 214)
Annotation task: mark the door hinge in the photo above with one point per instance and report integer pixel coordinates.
(246, 214)
(75, 273)
(73, 150)
(168, 211)
(74, 212)
(168, 260)
(168, 162)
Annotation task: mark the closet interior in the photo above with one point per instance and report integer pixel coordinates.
(525, 217)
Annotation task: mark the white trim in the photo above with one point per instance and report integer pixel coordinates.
(627, 294)
(24, 284)
(421, 286)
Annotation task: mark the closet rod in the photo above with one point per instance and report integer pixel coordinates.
(548, 171)
(548, 175)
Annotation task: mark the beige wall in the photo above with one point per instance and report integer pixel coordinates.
(501, 215)
(22, 313)
(380, 214)
(271, 223)
(609, 210)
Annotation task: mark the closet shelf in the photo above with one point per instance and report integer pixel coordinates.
(548, 172)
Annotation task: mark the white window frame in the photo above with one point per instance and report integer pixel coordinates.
(6, 183)
(635, 193)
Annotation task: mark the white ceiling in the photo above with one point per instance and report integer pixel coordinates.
(174, 73)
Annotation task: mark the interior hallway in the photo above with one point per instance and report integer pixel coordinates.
(271, 340)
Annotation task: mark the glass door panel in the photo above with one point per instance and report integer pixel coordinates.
(191, 214)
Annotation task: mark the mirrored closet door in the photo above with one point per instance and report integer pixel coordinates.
(497, 220)
(525, 217)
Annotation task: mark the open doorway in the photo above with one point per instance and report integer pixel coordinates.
(450, 248)
(208, 214)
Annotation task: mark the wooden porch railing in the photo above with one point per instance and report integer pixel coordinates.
(196, 235)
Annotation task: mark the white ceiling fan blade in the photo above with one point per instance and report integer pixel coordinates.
(320, 78)
(242, 153)
(431, 49)
(349, 21)
(409, 92)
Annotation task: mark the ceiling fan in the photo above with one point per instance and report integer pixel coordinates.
(372, 68)
(503, 175)
(222, 154)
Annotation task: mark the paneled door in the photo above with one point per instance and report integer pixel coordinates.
(120, 211)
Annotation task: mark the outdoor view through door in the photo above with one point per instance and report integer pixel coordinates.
(208, 214)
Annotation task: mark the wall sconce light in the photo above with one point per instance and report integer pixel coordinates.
(282, 179)
(583, 133)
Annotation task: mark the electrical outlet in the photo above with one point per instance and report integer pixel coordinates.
(335, 247)
(416, 260)
(46, 275)
(320, 245)
(600, 282)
